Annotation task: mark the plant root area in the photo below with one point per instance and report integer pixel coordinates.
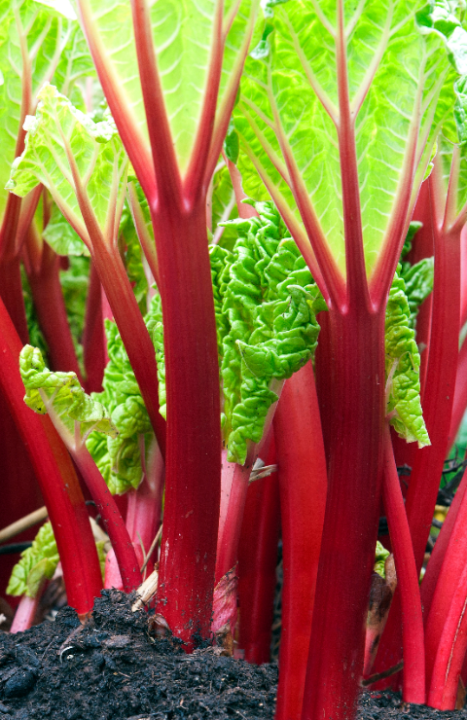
(114, 668)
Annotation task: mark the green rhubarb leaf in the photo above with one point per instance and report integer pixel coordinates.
(414, 227)
(155, 327)
(381, 555)
(289, 97)
(60, 131)
(418, 281)
(133, 258)
(37, 563)
(269, 306)
(403, 368)
(56, 51)
(121, 458)
(183, 34)
(61, 237)
(60, 393)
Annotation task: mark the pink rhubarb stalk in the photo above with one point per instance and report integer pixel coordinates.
(303, 485)
(57, 479)
(407, 579)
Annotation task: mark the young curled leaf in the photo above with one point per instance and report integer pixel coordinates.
(61, 393)
(403, 368)
(37, 563)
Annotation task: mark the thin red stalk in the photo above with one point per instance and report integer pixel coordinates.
(51, 312)
(26, 612)
(303, 487)
(28, 208)
(244, 209)
(437, 407)
(193, 422)
(407, 576)
(439, 393)
(357, 284)
(193, 186)
(423, 248)
(449, 561)
(163, 152)
(460, 395)
(451, 650)
(463, 311)
(231, 516)
(145, 504)
(11, 292)
(438, 555)
(120, 106)
(144, 237)
(57, 479)
(111, 516)
(133, 331)
(257, 561)
(94, 341)
(352, 511)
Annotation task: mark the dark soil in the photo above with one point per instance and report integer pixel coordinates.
(114, 669)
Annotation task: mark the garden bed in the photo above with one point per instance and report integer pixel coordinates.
(113, 668)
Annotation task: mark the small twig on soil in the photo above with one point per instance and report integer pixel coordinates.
(380, 676)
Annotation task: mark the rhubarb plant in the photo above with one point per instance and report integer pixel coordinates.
(342, 150)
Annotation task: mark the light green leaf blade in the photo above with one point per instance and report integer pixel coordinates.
(57, 132)
(37, 563)
(183, 33)
(289, 91)
(61, 237)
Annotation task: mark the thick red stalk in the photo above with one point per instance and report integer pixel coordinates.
(303, 486)
(94, 341)
(460, 395)
(453, 554)
(352, 510)
(451, 650)
(193, 459)
(113, 522)
(51, 312)
(57, 479)
(407, 577)
(463, 311)
(257, 561)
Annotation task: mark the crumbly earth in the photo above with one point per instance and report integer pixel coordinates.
(114, 669)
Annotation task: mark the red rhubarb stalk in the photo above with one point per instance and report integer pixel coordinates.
(51, 312)
(407, 580)
(94, 341)
(257, 561)
(26, 612)
(451, 650)
(57, 479)
(460, 394)
(303, 485)
(145, 504)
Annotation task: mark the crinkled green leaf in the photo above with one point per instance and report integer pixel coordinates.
(381, 555)
(133, 258)
(418, 280)
(155, 327)
(61, 237)
(57, 130)
(183, 34)
(37, 563)
(57, 52)
(281, 110)
(269, 302)
(403, 368)
(61, 393)
(441, 17)
(414, 227)
(121, 458)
